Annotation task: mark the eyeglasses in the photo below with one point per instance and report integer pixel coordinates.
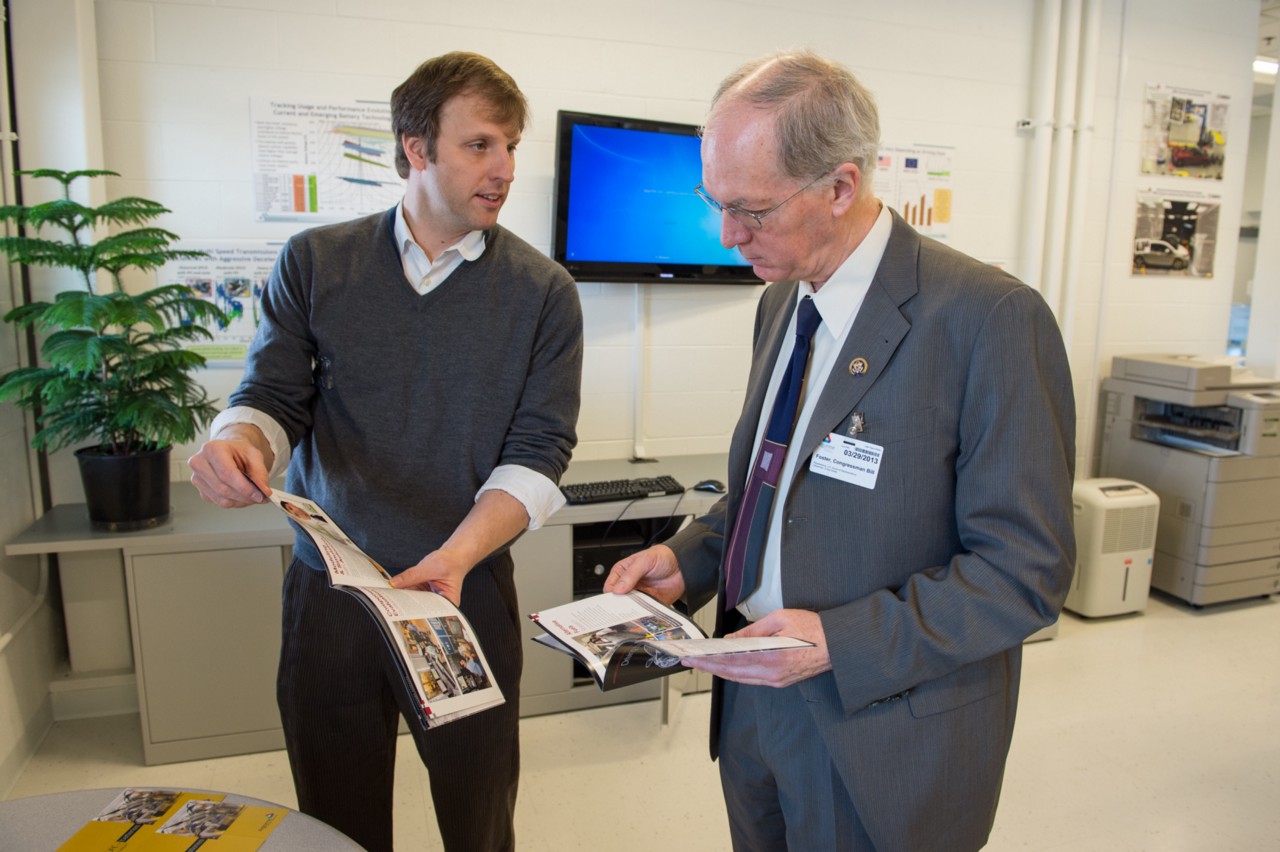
(753, 219)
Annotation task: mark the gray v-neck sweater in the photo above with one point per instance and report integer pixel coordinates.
(398, 405)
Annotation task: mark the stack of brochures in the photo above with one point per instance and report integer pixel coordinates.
(148, 820)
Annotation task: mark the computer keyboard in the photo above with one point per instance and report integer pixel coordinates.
(620, 489)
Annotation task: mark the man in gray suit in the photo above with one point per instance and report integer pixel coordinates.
(922, 527)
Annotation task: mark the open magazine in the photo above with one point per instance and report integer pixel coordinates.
(435, 648)
(631, 638)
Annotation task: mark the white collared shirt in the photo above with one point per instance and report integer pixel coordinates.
(537, 493)
(838, 302)
(424, 274)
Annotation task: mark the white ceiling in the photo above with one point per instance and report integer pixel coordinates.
(1268, 45)
(1269, 29)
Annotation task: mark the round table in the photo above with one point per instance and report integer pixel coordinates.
(44, 822)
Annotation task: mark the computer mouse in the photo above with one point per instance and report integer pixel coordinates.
(715, 486)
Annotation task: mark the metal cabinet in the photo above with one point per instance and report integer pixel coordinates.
(206, 638)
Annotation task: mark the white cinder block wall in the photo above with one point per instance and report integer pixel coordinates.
(176, 79)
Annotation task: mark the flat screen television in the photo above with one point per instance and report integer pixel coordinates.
(625, 207)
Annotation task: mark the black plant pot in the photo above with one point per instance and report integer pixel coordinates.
(128, 492)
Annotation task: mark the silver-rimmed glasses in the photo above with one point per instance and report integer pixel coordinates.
(753, 219)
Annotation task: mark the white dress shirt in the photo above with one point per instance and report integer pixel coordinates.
(838, 302)
(537, 493)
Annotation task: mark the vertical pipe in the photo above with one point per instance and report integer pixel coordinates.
(1080, 176)
(1064, 127)
(9, 194)
(1045, 60)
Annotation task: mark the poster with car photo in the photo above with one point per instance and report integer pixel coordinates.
(1175, 232)
(1184, 133)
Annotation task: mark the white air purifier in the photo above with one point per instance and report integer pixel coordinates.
(1115, 523)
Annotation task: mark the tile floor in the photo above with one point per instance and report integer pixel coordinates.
(1157, 731)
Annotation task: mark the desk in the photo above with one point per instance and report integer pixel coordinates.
(43, 822)
(190, 610)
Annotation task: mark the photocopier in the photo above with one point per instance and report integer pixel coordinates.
(1205, 437)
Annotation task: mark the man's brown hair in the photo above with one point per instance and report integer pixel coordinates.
(416, 103)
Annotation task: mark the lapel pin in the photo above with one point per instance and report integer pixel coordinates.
(858, 366)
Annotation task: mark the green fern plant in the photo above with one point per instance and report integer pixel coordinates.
(115, 370)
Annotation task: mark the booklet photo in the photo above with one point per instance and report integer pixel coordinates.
(433, 644)
(631, 638)
(150, 820)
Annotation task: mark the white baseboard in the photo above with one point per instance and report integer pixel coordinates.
(89, 696)
(33, 733)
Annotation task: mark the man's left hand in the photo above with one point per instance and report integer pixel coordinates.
(441, 571)
(773, 668)
(495, 519)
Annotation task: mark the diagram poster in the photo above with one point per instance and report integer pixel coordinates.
(322, 162)
(1184, 133)
(232, 276)
(916, 182)
(1175, 232)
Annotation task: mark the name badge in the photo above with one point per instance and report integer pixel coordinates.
(848, 459)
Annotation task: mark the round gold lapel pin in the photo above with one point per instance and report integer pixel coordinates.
(858, 366)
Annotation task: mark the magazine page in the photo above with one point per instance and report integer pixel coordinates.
(595, 629)
(437, 651)
(713, 647)
(631, 638)
(348, 565)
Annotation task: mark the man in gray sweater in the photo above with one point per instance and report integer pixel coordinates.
(417, 373)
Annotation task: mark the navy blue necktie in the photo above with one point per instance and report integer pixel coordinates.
(746, 545)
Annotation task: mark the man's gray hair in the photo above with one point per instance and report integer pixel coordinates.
(825, 117)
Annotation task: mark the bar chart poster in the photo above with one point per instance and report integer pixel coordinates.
(916, 182)
(322, 162)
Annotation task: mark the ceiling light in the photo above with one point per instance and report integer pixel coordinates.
(1265, 65)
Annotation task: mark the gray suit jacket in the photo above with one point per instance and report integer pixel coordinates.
(928, 584)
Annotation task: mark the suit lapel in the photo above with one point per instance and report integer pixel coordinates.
(875, 335)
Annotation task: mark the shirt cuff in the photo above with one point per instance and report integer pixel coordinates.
(271, 430)
(539, 495)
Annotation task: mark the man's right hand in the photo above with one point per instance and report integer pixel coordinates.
(231, 470)
(654, 571)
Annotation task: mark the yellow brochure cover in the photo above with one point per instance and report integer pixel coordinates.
(142, 820)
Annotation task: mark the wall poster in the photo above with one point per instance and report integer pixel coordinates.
(322, 162)
(1184, 133)
(1175, 232)
(916, 182)
(232, 276)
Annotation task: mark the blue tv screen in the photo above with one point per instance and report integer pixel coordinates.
(625, 206)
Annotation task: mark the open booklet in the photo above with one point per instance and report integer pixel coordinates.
(432, 643)
(627, 639)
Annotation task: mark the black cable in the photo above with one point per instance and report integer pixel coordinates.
(653, 537)
(604, 537)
